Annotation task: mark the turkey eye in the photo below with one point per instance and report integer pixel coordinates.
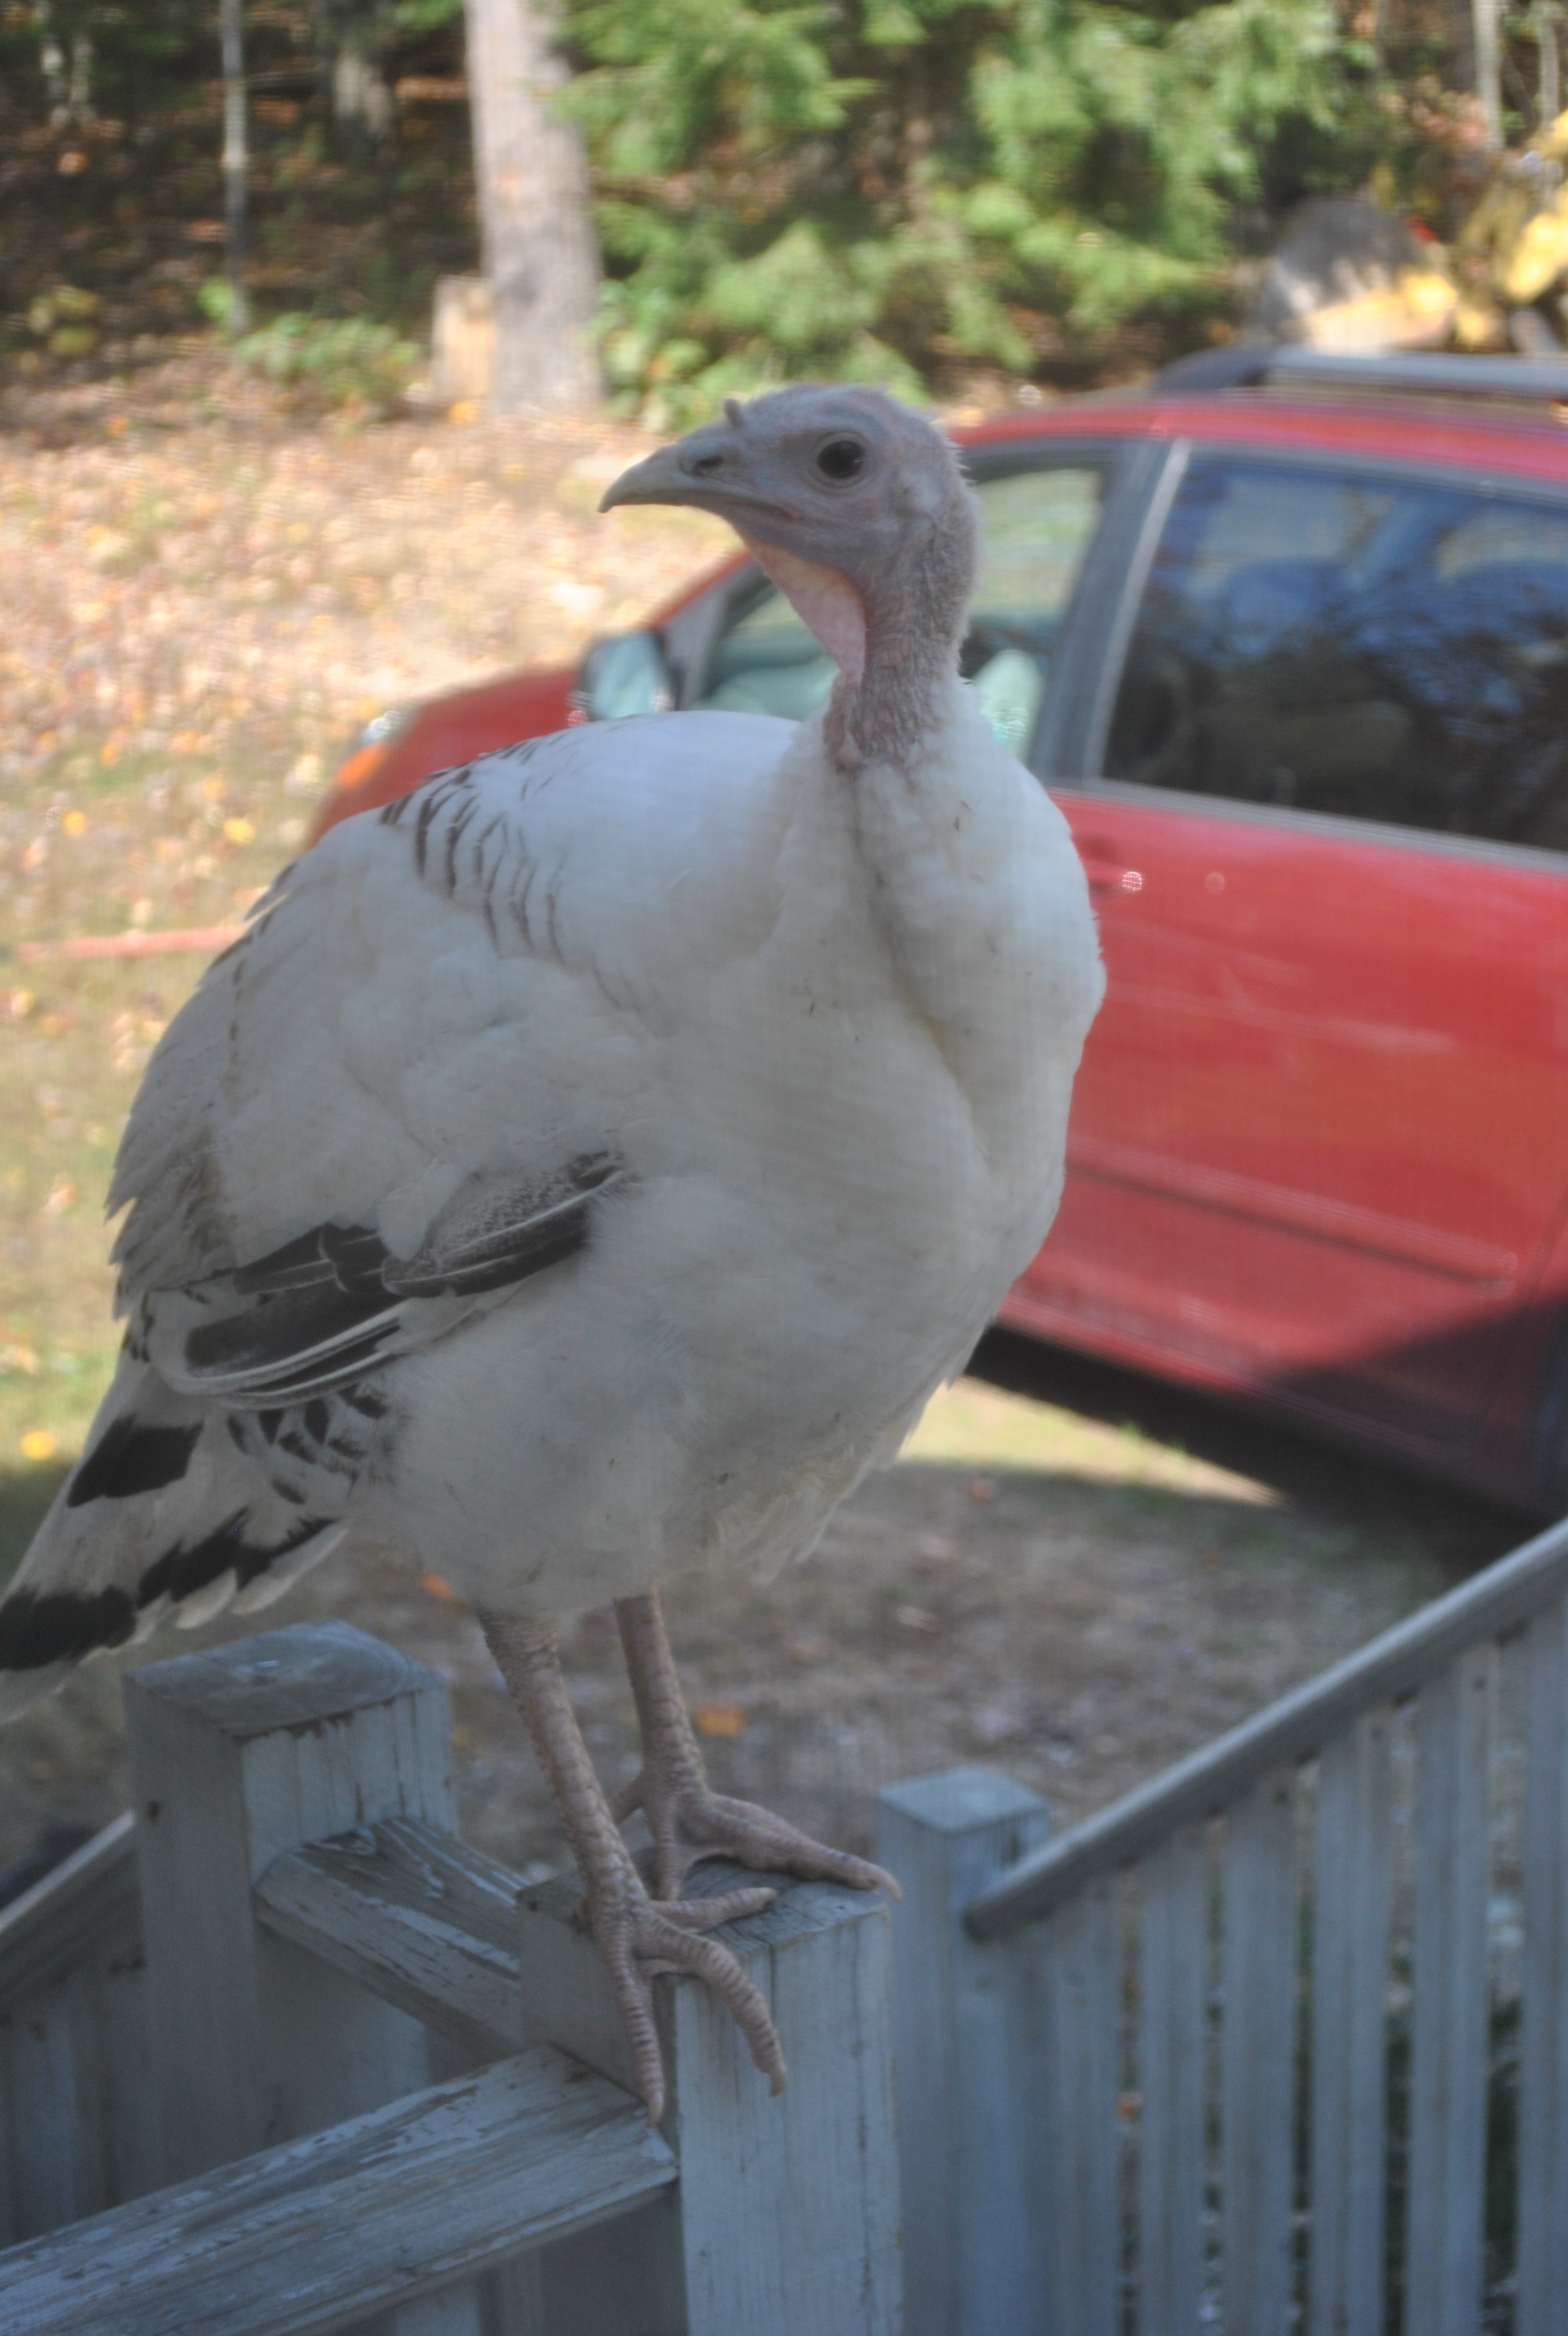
(841, 459)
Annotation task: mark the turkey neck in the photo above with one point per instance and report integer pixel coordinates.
(914, 618)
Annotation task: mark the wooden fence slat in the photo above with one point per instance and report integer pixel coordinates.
(46, 2188)
(1299, 1724)
(1443, 2257)
(77, 2129)
(377, 2213)
(1544, 2031)
(1258, 2055)
(395, 1907)
(1349, 2041)
(968, 2030)
(1172, 2056)
(1082, 1948)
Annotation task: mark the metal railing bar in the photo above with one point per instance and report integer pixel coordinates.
(1392, 1668)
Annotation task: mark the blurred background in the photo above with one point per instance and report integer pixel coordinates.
(282, 441)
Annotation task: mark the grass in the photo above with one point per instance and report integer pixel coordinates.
(73, 1046)
(197, 623)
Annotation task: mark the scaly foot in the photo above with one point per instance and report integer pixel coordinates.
(688, 1820)
(638, 1937)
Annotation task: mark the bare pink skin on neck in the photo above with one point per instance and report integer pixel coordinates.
(824, 600)
(892, 652)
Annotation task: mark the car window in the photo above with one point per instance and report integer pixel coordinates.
(1373, 648)
(1035, 527)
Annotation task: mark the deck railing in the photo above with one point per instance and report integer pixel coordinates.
(303, 2062)
(1279, 2042)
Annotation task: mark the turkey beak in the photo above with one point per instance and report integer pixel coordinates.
(659, 479)
(702, 470)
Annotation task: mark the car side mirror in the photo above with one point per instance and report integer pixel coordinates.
(625, 673)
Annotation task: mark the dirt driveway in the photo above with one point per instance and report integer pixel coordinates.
(1077, 1598)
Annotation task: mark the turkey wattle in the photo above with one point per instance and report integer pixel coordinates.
(583, 1170)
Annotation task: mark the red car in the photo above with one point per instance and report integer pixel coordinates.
(1287, 638)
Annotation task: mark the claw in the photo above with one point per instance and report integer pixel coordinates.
(691, 1824)
(711, 1914)
(640, 1938)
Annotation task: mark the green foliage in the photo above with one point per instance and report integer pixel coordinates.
(422, 15)
(866, 189)
(215, 298)
(351, 364)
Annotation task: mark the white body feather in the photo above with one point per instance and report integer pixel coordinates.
(827, 1024)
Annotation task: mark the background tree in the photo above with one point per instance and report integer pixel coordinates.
(536, 225)
(875, 187)
(236, 161)
(931, 193)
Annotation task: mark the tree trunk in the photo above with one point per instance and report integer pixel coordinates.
(236, 163)
(1549, 103)
(537, 233)
(1488, 67)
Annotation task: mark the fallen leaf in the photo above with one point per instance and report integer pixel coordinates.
(722, 1720)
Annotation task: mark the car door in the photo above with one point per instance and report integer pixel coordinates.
(1320, 1136)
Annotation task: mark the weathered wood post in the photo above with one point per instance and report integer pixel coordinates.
(786, 2219)
(971, 2029)
(268, 1763)
(238, 1755)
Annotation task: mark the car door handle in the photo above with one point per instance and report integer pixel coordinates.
(1110, 876)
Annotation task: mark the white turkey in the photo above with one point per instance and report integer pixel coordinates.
(583, 1170)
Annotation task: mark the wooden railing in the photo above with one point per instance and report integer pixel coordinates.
(306, 2062)
(1255, 2048)
(1278, 2043)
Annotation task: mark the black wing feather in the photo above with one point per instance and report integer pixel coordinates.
(327, 1306)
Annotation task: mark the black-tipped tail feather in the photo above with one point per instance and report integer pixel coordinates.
(165, 1511)
(44, 1632)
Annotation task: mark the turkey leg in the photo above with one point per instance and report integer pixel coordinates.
(688, 1820)
(638, 1937)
